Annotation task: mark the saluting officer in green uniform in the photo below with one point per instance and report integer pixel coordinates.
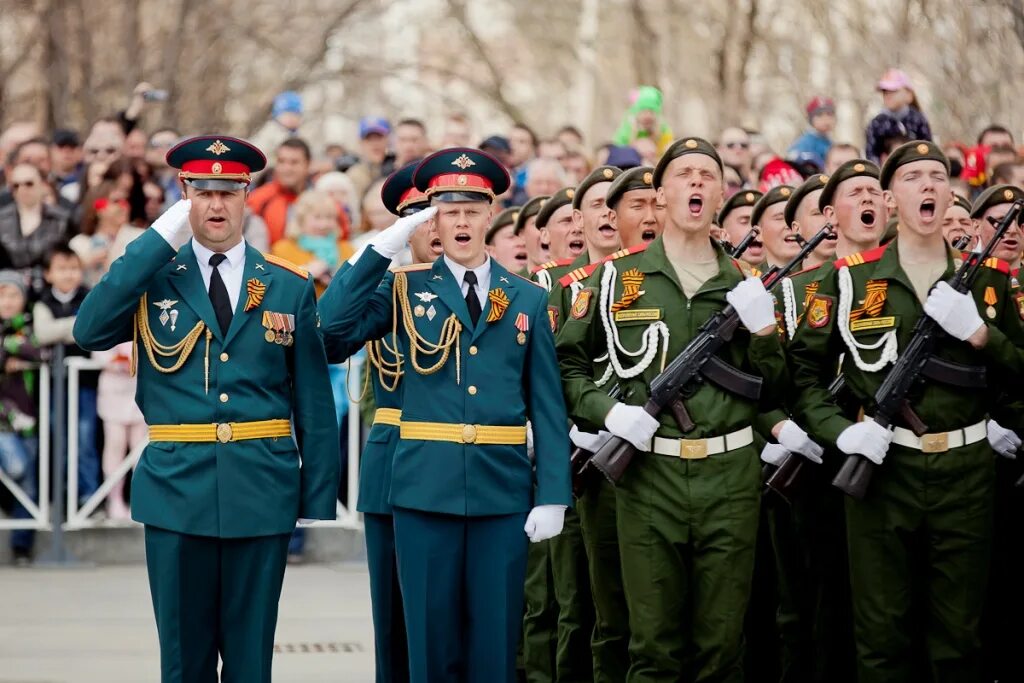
(919, 542)
(384, 373)
(478, 362)
(687, 509)
(242, 435)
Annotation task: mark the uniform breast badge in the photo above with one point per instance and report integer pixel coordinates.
(254, 290)
(426, 297)
(820, 312)
(419, 311)
(167, 312)
(523, 325)
(499, 304)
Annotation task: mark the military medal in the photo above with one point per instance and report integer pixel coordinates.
(991, 299)
(289, 327)
(268, 336)
(278, 328)
(523, 325)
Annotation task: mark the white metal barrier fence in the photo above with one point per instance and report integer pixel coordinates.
(81, 516)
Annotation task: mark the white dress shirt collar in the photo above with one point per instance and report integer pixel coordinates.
(235, 255)
(483, 277)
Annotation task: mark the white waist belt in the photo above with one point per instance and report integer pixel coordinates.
(696, 449)
(940, 442)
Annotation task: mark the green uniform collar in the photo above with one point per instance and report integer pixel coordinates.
(655, 260)
(889, 267)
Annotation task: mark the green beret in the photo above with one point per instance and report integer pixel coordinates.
(962, 201)
(556, 201)
(638, 178)
(779, 193)
(506, 217)
(741, 198)
(530, 208)
(994, 196)
(601, 174)
(851, 169)
(685, 146)
(909, 152)
(815, 182)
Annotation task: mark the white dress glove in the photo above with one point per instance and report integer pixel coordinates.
(956, 313)
(869, 439)
(544, 522)
(753, 303)
(774, 453)
(587, 441)
(1004, 441)
(394, 239)
(794, 439)
(173, 224)
(529, 441)
(631, 423)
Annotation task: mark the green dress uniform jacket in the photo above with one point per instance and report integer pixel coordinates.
(242, 488)
(928, 509)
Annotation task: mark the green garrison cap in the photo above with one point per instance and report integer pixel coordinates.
(815, 182)
(530, 208)
(779, 193)
(601, 174)
(962, 201)
(740, 199)
(916, 150)
(681, 147)
(994, 196)
(851, 169)
(506, 217)
(639, 178)
(556, 201)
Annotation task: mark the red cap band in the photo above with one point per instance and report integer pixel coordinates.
(208, 168)
(460, 182)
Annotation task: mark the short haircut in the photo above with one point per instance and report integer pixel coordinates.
(299, 144)
(1003, 173)
(994, 128)
(412, 122)
(569, 128)
(12, 158)
(60, 249)
(529, 131)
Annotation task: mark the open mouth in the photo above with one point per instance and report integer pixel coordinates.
(216, 220)
(696, 205)
(832, 236)
(463, 237)
(577, 246)
(793, 239)
(1010, 244)
(435, 245)
(928, 209)
(867, 217)
(648, 235)
(521, 257)
(606, 230)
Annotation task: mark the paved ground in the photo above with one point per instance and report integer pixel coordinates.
(95, 625)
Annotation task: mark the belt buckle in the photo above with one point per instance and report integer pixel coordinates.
(224, 432)
(935, 443)
(468, 433)
(693, 449)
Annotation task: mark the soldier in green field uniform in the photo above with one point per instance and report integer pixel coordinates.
(687, 509)
(384, 374)
(919, 541)
(242, 433)
(479, 362)
(733, 222)
(526, 227)
(781, 242)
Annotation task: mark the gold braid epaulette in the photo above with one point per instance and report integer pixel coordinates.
(183, 349)
(450, 332)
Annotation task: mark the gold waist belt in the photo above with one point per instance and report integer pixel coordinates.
(222, 432)
(463, 433)
(387, 416)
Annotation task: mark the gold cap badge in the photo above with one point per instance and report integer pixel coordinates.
(648, 178)
(749, 197)
(218, 148)
(784, 191)
(859, 168)
(569, 193)
(823, 179)
(1008, 194)
(922, 148)
(462, 180)
(608, 173)
(690, 144)
(216, 168)
(463, 162)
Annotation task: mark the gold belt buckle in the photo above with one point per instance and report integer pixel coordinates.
(468, 433)
(693, 449)
(224, 433)
(935, 443)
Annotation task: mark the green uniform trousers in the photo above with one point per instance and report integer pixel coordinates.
(762, 647)
(540, 619)
(1002, 626)
(215, 596)
(814, 620)
(687, 531)
(919, 548)
(386, 600)
(573, 657)
(610, 642)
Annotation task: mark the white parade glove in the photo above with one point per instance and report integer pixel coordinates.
(173, 224)
(1004, 441)
(953, 311)
(529, 441)
(355, 257)
(869, 439)
(544, 522)
(631, 423)
(753, 303)
(394, 239)
(774, 454)
(794, 439)
(587, 441)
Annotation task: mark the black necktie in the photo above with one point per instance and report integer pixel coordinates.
(472, 300)
(219, 294)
